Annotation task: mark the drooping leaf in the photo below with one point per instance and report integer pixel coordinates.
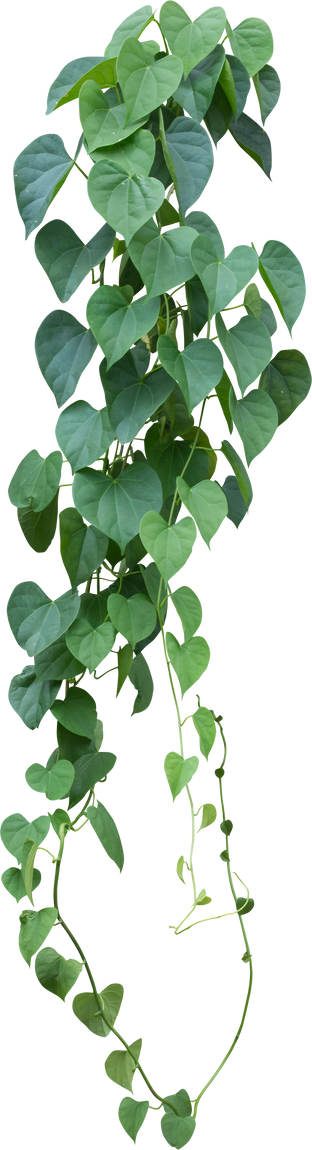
(170, 547)
(189, 609)
(39, 527)
(178, 1128)
(268, 86)
(36, 620)
(124, 661)
(165, 261)
(67, 85)
(197, 304)
(197, 369)
(63, 348)
(83, 548)
(131, 395)
(85, 1008)
(287, 380)
(103, 120)
(189, 157)
(219, 115)
(116, 506)
(170, 458)
(253, 140)
(14, 883)
(56, 973)
(32, 699)
(222, 279)
(141, 679)
(35, 927)
(239, 471)
(39, 172)
(73, 747)
(145, 85)
(282, 273)
(132, 26)
(234, 81)
(236, 505)
(203, 224)
(66, 259)
(131, 1114)
(256, 420)
(106, 830)
(126, 201)
(207, 503)
(252, 42)
(224, 390)
(189, 660)
(56, 662)
(196, 92)
(89, 769)
(191, 40)
(77, 712)
(54, 783)
(248, 347)
(209, 815)
(36, 481)
(120, 1065)
(206, 729)
(90, 644)
(117, 321)
(135, 618)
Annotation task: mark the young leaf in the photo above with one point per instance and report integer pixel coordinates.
(63, 348)
(141, 679)
(256, 421)
(36, 480)
(197, 369)
(196, 92)
(132, 26)
(36, 620)
(202, 898)
(86, 1009)
(266, 315)
(145, 85)
(54, 783)
(179, 771)
(189, 660)
(131, 1115)
(83, 548)
(240, 903)
(107, 832)
(117, 321)
(282, 273)
(66, 259)
(90, 644)
(226, 826)
(126, 201)
(252, 42)
(207, 503)
(180, 865)
(248, 347)
(219, 115)
(120, 1065)
(189, 609)
(239, 471)
(209, 815)
(39, 172)
(39, 527)
(267, 84)
(191, 40)
(206, 729)
(234, 81)
(56, 662)
(56, 973)
(32, 699)
(116, 505)
(253, 301)
(35, 926)
(253, 140)
(170, 547)
(77, 712)
(67, 85)
(89, 769)
(14, 883)
(287, 380)
(135, 618)
(189, 157)
(124, 660)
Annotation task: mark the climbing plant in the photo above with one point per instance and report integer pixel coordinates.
(145, 474)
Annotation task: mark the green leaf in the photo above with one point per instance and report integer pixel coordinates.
(170, 547)
(103, 122)
(207, 503)
(116, 506)
(83, 432)
(15, 829)
(180, 864)
(189, 660)
(256, 420)
(166, 261)
(197, 369)
(189, 157)
(135, 618)
(36, 480)
(14, 883)
(117, 321)
(248, 347)
(132, 397)
(145, 85)
(58, 818)
(177, 1131)
(225, 856)
(36, 620)
(131, 1114)
(31, 699)
(189, 609)
(196, 92)
(219, 115)
(236, 504)
(202, 898)
(226, 826)
(83, 548)
(222, 279)
(39, 527)
(239, 471)
(287, 380)
(197, 304)
(179, 771)
(90, 644)
(253, 140)
(56, 973)
(72, 746)
(29, 852)
(135, 154)
(85, 1008)
(63, 348)
(141, 679)
(67, 85)
(56, 662)
(35, 926)
(224, 390)
(252, 42)
(126, 201)
(267, 315)
(120, 1066)
(206, 729)
(54, 783)
(39, 172)
(132, 26)
(242, 85)
(77, 712)
(170, 458)
(209, 815)
(191, 40)
(268, 86)
(124, 660)
(253, 301)
(89, 770)
(282, 273)
(107, 832)
(248, 908)
(66, 259)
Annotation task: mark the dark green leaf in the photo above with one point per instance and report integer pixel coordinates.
(56, 662)
(256, 420)
(141, 679)
(133, 25)
(197, 304)
(14, 883)
(144, 84)
(107, 832)
(249, 907)
(209, 816)
(73, 746)
(219, 115)
(224, 390)
(235, 82)
(197, 369)
(39, 528)
(252, 42)
(195, 93)
(167, 215)
(131, 1114)
(253, 301)
(124, 659)
(282, 273)
(35, 926)
(236, 504)
(132, 397)
(189, 157)
(77, 712)
(287, 380)
(39, 172)
(117, 321)
(224, 855)
(189, 609)
(189, 660)
(239, 470)
(207, 503)
(63, 348)
(204, 723)
(36, 620)
(248, 347)
(30, 699)
(55, 782)
(116, 506)
(170, 547)
(253, 140)
(191, 40)
(66, 259)
(120, 1066)
(36, 481)
(170, 458)
(85, 1008)
(89, 769)
(90, 644)
(56, 973)
(226, 826)
(83, 548)
(267, 84)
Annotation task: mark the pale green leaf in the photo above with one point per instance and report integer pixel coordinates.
(117, 321)
(248, 347)
(189, 660)
(206, 729)
(179, 771)
(191, 40)
(131, 1115)
(170, 547)
(36, 170)
(207, 503)
(252, 42)
(256, 420)
(56, 973)
(106, 830)
(135, 618)
(197, 369)
(36, 480)
(116, 505)
(282, 273)
(189, 609)
(145, 85)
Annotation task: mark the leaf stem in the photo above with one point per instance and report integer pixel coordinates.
(162, 34)
(80, 170)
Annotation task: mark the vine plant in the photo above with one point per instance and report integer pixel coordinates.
(143, 464)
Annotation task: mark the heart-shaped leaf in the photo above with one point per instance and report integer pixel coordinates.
(248, 347)
(83, 548)
(209, 815)
(253, 140)
(282, 273)
(287, 380)
(171, 457)
(32, 699)
(116, 505)
(15, 830)
(145, 85)
(56, 662)
(90, 644)
(206, 729)
(196, 92)
(135, 618)
(131, 1115)
(222, 279)
(103, 121)
(35, 926)
(268, 86)
(236, 505)
(207, 503)
(191, 40)
(179, 771)
(133, 25)
(234, 81)
(131, 395)
(141, 679)
(63, 348)
(54, 783)
(67, 85)
(117, 321)
(36, 480)
(77, 712)
(14, 883)
(107, 832)
(189, 609)
(197, 369)
(126, 201)
(134, 155)
(89, 769)
(120, 1065)
(39, 172)
(240, 903)
(252, 42)
(85, 1008)
(39, 527)
(124, 662)
(189, 660)
(36, 620)
(166, 260)
(66, 259)
(170, 547)
(256, 421)
(56, 973)
(189, 158)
